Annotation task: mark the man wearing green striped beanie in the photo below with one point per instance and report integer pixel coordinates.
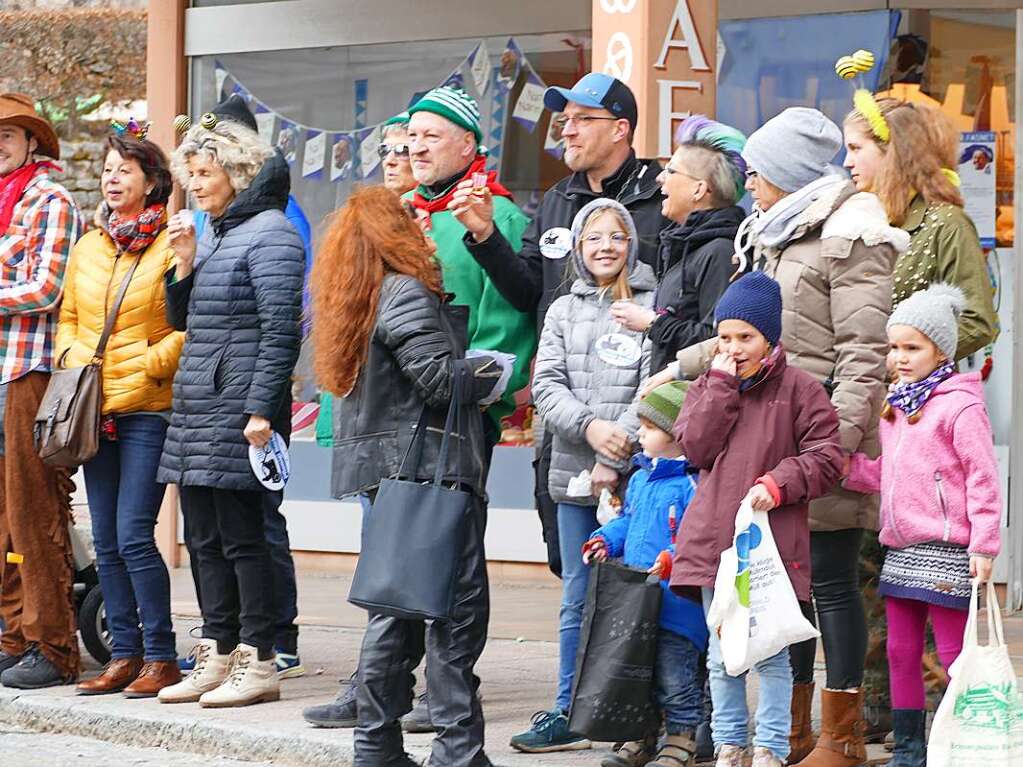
(444, 147)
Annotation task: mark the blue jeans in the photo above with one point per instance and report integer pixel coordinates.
(730, 719)
(575, 523)
(275, 526)
(678, 688)
(124, 502)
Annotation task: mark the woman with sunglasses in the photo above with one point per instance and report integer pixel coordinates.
(394, 157)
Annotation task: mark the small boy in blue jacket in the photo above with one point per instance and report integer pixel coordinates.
(644, 536)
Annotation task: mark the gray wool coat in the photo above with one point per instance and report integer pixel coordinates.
(587, 367)
(241, 310)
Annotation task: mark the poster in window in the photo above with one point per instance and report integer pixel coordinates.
(977, 182)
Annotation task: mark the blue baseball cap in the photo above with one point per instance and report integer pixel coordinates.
(595, 90)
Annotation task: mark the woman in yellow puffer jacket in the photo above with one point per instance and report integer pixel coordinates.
(139, 365)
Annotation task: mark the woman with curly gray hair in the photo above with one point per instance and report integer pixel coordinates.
(238, 294)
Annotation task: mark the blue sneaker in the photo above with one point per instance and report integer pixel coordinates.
(186, 665)
(288, 666)
(549, 732)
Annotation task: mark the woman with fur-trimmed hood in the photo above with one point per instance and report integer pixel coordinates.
(832, 250)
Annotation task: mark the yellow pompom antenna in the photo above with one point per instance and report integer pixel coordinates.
(845, 68)
(864, 102)
(864, 60)
(181, 124)
(209, 121)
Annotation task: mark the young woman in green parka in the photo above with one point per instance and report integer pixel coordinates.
(912, 174)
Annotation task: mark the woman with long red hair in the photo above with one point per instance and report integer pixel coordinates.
(393, 352)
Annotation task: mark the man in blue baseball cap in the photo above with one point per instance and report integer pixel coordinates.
(597, 119)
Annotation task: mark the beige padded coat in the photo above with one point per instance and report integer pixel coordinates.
(836, 284)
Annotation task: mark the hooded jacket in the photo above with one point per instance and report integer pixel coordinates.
(784, 427)
(143, 349)
(657, 496)
(694, 266)
(241, 310)
(532, 276)
(835, 272)
(938, 477)
(587, 365)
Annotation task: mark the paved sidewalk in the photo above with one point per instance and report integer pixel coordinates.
(518, 670)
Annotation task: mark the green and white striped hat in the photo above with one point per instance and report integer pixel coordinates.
(452, 104)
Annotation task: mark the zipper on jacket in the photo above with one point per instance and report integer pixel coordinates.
(941, 505)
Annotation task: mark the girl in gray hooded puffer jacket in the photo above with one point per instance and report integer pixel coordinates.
(588, 369)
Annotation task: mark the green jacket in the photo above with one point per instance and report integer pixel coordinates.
(493, 322)
(944, 247)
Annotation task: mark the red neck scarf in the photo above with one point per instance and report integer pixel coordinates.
(440, 203)
(12, 187)
(135, 234)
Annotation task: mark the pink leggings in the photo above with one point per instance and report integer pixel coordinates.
(907, 624)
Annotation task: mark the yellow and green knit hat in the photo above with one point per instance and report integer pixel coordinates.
(452, 104)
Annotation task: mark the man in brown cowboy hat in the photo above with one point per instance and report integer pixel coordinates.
(39, 222)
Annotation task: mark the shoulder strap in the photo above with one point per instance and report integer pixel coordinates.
(108, 327)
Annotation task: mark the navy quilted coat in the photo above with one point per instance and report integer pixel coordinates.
(241, 310)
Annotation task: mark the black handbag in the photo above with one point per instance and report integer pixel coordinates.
(412, 537)
(612, 694)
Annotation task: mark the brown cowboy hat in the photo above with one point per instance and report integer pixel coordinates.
(19, 109)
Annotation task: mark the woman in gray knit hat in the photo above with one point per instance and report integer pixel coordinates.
(831, 249)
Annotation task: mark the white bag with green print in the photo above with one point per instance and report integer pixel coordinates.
(980, 720)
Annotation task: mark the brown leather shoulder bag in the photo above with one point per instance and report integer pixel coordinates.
(67, 423)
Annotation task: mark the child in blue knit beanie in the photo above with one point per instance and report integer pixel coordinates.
(755, 428)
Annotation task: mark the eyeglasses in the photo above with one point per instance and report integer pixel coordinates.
(617, 239)
(672, 172)
(563, 121)
(400, 150)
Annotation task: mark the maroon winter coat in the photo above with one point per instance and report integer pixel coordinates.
(784, 426)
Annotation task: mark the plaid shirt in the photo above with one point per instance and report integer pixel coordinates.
(33, 256)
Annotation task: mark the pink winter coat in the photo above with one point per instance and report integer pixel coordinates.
(938, 477)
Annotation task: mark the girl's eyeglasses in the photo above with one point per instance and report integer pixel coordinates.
(617, 239)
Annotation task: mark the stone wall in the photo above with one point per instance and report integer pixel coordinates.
(82, 162)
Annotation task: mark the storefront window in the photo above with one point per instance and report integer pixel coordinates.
(321, 106)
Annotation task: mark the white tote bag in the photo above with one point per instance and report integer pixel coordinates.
(980, 720)
(754, 605)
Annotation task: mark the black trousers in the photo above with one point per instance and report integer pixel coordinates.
(285, 585)
(227, 537)
(391, 649)
(840, 616)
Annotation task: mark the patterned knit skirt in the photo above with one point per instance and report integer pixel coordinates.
(937, 573)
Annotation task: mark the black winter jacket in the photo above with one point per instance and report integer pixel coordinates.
(694, 268)
(540, 273)
(416, 356)
(241, 310)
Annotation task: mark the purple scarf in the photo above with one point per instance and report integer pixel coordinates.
(909, 398)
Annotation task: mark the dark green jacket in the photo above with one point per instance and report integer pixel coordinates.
(944, 247)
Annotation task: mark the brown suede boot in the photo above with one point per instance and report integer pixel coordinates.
(801, 739)
(154, 676)
(842, 728)
(118, 674)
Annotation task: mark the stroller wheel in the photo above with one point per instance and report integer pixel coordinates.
(92, 625)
